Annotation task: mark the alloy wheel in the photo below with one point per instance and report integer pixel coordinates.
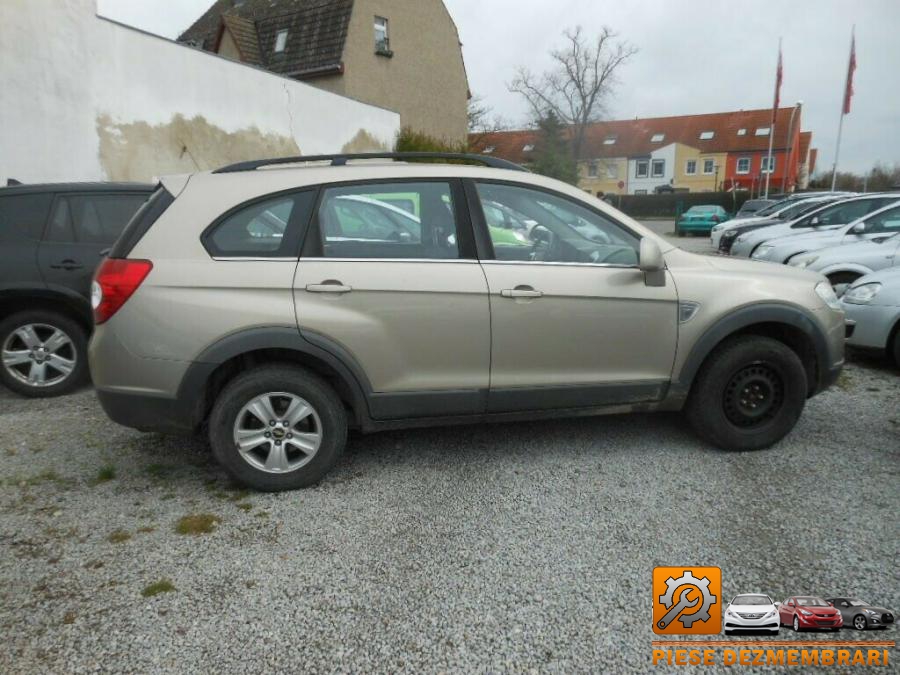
(39, 355)
(796, 624)
(277, 432)
(859, 623)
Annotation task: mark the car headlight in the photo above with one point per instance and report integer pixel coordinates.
(718, 228)
(826, 292)
(761, 252)
(862, 294)
(803, 261)
(743, 237)
(771, 614)
(805, 612)
(871, 611)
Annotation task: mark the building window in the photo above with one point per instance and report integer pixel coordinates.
(706, 135)
(768, 165)
(762, 131)
(612, 170)
(640, 192)
(657, 138)
(690, 167)
(592, 169)
(382, 39)
(709, 167)
(743, 165)
(280, 40)
(527, 148)
(641, 168)
(489, 149)
(610, 139)
(742, 132)
(658, 168)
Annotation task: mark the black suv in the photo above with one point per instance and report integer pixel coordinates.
(51, 239)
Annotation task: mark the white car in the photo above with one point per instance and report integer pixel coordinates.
(784, 210)
(845, 264)
(751, 611)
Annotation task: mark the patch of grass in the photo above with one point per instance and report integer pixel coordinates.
(161, 586)
(69, 618)
(118, 536)
(844, 382)
(261, 514)
(198, 523)
(244, 506)
(105, 474)
(146, 529)
(159, 471)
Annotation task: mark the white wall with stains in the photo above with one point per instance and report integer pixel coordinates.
(84, 98)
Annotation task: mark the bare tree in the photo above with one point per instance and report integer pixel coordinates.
(482, 121)
(578, 85)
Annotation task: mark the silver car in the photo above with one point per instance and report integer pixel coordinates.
(785, 210)
(885, 221)
(845, 264)
(826, 217)
(872, 307)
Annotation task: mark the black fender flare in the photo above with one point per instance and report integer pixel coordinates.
(791, 315)
(191, 392)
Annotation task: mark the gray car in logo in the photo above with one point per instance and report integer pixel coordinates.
(861, 615)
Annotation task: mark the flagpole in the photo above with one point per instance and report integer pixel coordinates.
(774, 116)
(837, 149)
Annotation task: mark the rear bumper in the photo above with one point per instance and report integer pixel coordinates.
(147, 413)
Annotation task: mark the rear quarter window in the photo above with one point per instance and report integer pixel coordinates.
(24, 215)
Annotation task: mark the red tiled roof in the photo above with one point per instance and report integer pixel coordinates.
(633, 136)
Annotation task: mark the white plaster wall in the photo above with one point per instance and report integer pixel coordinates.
(62, 69)
(668, 154)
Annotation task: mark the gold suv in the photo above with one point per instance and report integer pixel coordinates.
(278, 303)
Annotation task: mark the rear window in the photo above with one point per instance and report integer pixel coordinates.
(92, 218)
(24, 215)
(141, 222)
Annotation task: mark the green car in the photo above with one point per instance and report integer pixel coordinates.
(700, 219)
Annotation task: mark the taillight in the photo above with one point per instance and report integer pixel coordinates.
(114, 282)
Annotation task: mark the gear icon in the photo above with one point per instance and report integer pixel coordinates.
(688, 579)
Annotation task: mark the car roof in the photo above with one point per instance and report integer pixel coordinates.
(74, 187)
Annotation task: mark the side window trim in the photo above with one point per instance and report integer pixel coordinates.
(312, 245)
(483, 237)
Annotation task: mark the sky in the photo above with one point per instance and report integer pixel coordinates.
(695, 56)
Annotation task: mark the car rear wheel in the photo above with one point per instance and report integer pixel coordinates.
(859, 622)
(44, 353)
(278, 428)
(748, 394)
(841, 281)
(796, 624)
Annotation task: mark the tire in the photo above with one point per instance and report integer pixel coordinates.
(894, 348)
(796, 624)
(62, 351)
(859, 622)
(840, 281)
(292, 468)
(748, 394)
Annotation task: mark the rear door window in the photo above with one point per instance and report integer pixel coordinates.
(92, 219)
(24, 215)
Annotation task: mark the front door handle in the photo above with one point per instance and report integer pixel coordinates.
(329, 286)
(68, 264)
(520, 292)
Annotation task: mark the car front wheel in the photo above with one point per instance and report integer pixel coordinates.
(44, 353)
(859, 622)
(748, 394)
(278, 428)
(796, 625)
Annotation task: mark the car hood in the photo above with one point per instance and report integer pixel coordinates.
(754, 267)
(889, 277)
(752, 609)
(845, 253)
(820, 611)
(817, 235)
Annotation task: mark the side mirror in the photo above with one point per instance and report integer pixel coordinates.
(859, 228)
(651, 263)
(777, 604)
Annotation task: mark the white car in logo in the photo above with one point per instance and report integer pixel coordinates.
(751, 611)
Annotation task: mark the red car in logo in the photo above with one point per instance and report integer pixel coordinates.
(805, 612)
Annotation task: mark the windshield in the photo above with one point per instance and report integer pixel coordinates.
(812, 602)
(769, 210)
(799, 209)
(752, 600)
(859, 603)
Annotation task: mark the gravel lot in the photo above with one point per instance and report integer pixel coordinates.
(490, 548)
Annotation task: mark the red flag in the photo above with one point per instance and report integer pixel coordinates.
(848, 92)
(778, 78)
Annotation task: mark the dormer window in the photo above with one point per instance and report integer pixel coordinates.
(489, 149)
(707, 135)
(762, 131)
(742, 132)
(528, 147)
(610, 139)
(382, 38)
(657, 138)
(280, 41)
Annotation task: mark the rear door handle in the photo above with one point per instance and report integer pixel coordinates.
(330, 286)
(520, 292)
(67, 264)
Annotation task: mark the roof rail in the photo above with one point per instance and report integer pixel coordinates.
(341, 160)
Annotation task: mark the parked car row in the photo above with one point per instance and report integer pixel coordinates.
(758, 612)
(854, 241)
